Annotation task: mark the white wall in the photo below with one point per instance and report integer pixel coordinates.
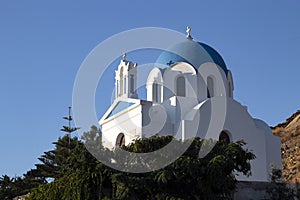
(229, 115)
(128, 122)
(220, 80)
(273, 146)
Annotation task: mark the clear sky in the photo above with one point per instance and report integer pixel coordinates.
(43, 43)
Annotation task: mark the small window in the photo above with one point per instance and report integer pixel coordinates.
(180, 86)
(125, 85)
(121, 82)
(155, 93)
(131, 83)
(210, 87)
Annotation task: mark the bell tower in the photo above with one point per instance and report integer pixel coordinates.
(125, 79)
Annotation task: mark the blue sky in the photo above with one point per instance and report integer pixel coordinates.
(43, 43)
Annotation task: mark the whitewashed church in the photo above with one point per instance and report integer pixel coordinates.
(189, 93)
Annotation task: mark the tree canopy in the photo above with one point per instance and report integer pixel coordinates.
(78, 175)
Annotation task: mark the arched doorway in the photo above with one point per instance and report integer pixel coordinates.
(224, 136)
(120, 141)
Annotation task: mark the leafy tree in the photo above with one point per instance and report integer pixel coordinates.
(79, 175)
(93, 137)
(189, 177)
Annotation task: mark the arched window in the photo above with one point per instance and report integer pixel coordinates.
(125, 84)
(121, 81)
(210, 87)
(155, 93)
(131, 83)
(180, 86)
(120, 142)
(224, 137)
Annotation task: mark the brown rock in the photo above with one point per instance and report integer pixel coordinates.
(289, 132)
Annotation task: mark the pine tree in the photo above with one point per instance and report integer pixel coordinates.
(56, 162)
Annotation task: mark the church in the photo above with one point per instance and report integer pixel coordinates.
(189, 94)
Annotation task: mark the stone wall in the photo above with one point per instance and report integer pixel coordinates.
(289, 132)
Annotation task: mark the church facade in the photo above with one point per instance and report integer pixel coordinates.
(189, 94)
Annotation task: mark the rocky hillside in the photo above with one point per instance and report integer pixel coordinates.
(289, 131)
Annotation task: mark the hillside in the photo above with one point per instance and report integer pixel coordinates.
(289, 132)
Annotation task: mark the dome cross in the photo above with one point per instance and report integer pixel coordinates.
(188, 32)
(124, 56)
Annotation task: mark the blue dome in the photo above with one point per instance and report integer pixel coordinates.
(192, 52)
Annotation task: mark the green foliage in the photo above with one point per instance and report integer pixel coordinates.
(189, 177)
(12, 187)
(72, 186)
(78, 175)
(57, 162)
(7, 187)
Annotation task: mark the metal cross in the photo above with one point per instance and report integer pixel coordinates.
(170, 62)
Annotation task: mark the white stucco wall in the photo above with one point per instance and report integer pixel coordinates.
(241, 126)
(273, 146)
(129, 122)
